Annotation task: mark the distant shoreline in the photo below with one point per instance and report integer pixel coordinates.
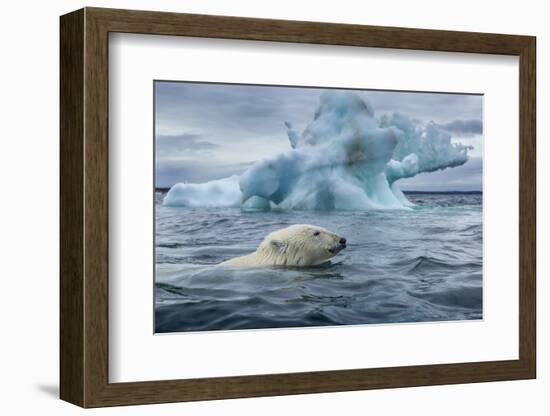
(166, 189)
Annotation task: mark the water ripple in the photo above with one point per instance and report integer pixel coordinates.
(403, 266)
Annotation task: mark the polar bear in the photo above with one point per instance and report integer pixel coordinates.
(298, 245)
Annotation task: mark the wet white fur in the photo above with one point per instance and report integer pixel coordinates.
(295, 246)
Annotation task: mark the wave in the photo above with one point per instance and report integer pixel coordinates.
(391, 271)
(425, 264)
(467, 297)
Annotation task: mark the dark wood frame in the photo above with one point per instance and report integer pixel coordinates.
(84, 207)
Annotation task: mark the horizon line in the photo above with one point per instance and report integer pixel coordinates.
(167, 188)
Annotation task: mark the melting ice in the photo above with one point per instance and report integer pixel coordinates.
(344, 159)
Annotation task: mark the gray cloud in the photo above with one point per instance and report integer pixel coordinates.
(180, 145)
(465, 128)
(169, 172)
(468, 177)
(438, 107)
(230, 110)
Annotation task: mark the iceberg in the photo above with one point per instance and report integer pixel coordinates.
(346, 158)
(223, 193)
(218, 193)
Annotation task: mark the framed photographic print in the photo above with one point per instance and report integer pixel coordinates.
(255, 207)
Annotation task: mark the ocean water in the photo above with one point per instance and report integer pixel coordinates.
(418, 265)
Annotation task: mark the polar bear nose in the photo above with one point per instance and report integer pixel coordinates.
(343, 241)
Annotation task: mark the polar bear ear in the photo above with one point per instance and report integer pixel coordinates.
(279, 245)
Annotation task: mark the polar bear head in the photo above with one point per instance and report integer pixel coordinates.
(300, 245)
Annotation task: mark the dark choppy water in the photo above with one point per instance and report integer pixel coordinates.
(400, 266)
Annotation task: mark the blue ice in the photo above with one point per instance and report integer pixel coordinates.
(345, 158)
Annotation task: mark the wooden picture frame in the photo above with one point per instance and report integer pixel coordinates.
(84, 207)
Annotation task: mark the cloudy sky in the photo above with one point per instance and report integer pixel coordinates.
(211, 131)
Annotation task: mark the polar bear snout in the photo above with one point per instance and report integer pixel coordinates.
(339, 247)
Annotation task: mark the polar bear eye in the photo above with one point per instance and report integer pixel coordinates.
(317, 233)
